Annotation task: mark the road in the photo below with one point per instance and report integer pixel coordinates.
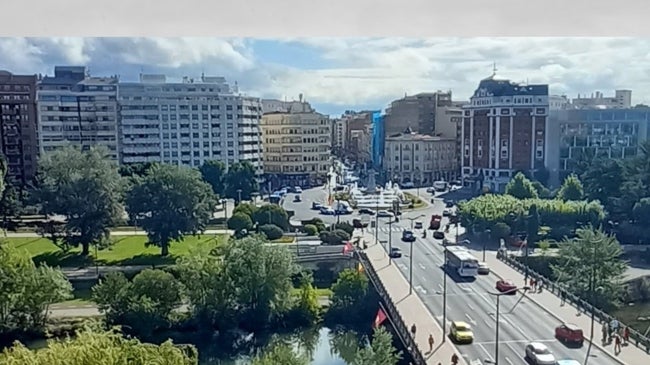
(521, 320)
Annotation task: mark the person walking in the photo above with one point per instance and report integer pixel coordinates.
(413, 329)
(454, 359)
(605, 332)
(562, 297)
(431, 341)
(617, 344)
(626, 334)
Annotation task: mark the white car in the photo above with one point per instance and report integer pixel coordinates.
(418, 225)
(385, 214)
(539, 354)
(297, 189)
(483, 268)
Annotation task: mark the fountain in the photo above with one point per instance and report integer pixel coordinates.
(375, 198)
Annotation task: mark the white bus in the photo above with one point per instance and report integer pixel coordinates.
(464, 262)
(440, 185)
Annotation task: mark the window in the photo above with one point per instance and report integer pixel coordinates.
(505, 111)
(540, 143)
(539, 154)
(540, 110)
(479, 142)
(479, 154)
(504, 143)
(504, 153)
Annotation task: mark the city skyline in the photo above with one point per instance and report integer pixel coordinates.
(338, 74)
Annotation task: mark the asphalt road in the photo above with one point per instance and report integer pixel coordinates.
(521, 321)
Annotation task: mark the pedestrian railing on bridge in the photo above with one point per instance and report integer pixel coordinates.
(636, 337)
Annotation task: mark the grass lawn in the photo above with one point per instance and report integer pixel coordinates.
(636, 316)
(81, 297)
(284, 239)
(417, 202)
(126, 250)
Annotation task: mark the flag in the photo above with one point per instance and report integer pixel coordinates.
(359, 268)
(348, 248)
(379, 319)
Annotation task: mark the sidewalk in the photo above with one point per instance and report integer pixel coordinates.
(117, 233)
(410, 307)
(630, 354)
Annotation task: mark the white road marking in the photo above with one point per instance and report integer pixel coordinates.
(471, 320)
(422, 267)
(471, 307)
(486, 352)
(513, 342)
(420, 289)
(441, 288)
(488, 323)
(402, 266)
(508, 360)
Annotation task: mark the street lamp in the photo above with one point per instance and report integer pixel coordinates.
(444, 290)
(238, 196)
(496, 341)
(488, 232)
(411, 256)
(592, 288)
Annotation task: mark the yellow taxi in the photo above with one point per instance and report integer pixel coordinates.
(461, 332)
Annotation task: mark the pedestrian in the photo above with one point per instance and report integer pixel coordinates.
(626, 334)
(431, 341)
(532, 284)
(617, 344)
(605, 332)
(562, 297)
(540, 287)
(454, 359)
(413, 329)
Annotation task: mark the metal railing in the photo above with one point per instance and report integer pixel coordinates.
(636, 337)
(392, 312)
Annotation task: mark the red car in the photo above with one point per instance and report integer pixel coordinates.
(506, 286)
(569, 333)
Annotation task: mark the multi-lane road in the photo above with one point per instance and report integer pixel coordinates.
(521, 321)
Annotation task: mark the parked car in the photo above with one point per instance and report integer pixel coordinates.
(357, 223)
(466, 242)
(385, 214)
(446, 213)
(418, 225)
(395, 252)
(408, 185)
(430, 190)
(366, 211)
(296, 198)
(449, 203)
(461, 332)
(316, 206)
(297, 189)
(407, 236)
(438, 235)
(568, 362)
(327, 211)
(539, 354)
(506, 285)
(483, 268)
(569, 333)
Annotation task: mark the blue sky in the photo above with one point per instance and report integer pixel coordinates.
(338, 74)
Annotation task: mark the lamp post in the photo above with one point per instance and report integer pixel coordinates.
(377, 222)
(496, 341)
(238, 196)
(592, 289)
(488, 232)
(390, 239)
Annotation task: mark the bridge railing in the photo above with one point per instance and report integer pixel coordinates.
(397, 320)
(636, 337)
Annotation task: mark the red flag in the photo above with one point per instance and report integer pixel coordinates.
(347, 248)
(379, 319)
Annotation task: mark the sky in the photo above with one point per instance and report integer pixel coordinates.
(339, 74)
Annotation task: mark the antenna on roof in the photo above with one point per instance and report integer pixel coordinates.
(494, 68)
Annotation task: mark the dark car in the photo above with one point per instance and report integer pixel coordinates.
(366, 211)
(449, 203)
(438, 235)
(316, 206)
(296, 198)
(407, 236)
(395, 252)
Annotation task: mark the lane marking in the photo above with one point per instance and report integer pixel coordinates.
(489, 355)
(420, 289)
(422, 266)
(471, 320)
(402, 266)
(488, 323)
(508, 360)
(471, 306)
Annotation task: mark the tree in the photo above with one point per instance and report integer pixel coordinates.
(3, 173)
(345, 226)
(641, 210)
(26, 291)
(169, 203)
(86, 188)
(532, 225)
(501, 230)
(280, 353)
(247, 208)
(98, 347)
(380, 351)
(603, 180)
(272, 214)
(571, 189)
(521, 188)
(336, 237)
(240, 221)
(311, 230)
(352, 301)
(213, 172)
(10, 203)
(135, 169)
(271, 231)
(542, 175)
(241, 176)
(591, 256)
(306, 308)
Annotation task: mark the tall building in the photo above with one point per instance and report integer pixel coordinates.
(75, 108)
(622, 99)
(188, 122)
(417, 112)
(420, 159)
(297, 144)
(377, 136)
(504, 131)
(18, 142)
(339, 136)
(352, 136)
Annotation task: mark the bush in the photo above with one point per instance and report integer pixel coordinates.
(271, 231)
(336, 237)
(311, 230)
(317, 222)
(344, 226)
(240, 221)
(272, 214)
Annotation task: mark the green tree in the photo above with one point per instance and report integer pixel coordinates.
(311, 229)
(3, 173)
(271, 231)
(98, 347)
(86, 188)
(542, 175)
(272, 214)
(571, 189)
(380, 351)
(241, 176)
(26, 291)
(306, 309)
(280, 353)
(214, 172)
(501, 230)
(336, 237)
(641, 210)
(169, 203)
(603, 180)
(247, 208)
(10, 203)
(533, 224)
(345, 226)
(135, 169)
(520, 187)
(591, 255)
(240, 221)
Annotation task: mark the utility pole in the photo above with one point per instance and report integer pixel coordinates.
(390, 239)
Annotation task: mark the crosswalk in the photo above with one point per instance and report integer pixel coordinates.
(389, 229)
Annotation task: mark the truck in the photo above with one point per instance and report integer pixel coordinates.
(435, 221)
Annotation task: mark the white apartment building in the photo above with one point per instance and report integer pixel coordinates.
(189, 122)
(339, 136)
(74, 108)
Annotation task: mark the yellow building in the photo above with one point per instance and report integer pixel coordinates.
(297, 144)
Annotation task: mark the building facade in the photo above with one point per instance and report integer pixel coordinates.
(297, 146)
(188, 123)
(417, 112)
(503, 131)
(420, 159)
(575, 135)
(18, 140)
(339, 136)
(76, 109)
(622, 99)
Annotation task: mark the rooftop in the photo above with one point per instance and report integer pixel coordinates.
(493, 86)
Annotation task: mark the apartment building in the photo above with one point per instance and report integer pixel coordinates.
(339, 136)
(417, 112)
(504, 131)
(188, 122)
(420, 159)
(297, 144)
(18, 141)
(622, 99)
(77, 109)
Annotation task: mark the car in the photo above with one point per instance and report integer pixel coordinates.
(316, 206)
(483, 268)
(327, 211)
(407, 236)
(461, 332)
(297, 189)
(296, 198)
(418, 225)
(408, 185)
(466, 242)
(283, 191)
(506, 286)
(430, 190)
(568, 362)
(446, 213)
(438, 235)
(366, 211)
(395, 252)
(357, 223)
(446, 242)
(449, 203)
(393, 211)
(539, 354)
(569, 333)
(385, 214)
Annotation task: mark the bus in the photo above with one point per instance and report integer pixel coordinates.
(460, 259)
(440, 185)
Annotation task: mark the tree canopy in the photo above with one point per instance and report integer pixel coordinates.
(86, 188)
(214, 173)
(521, 187)
(280, 353)
(571, 189)
(241, 176)
(380, 351)
(170, 202)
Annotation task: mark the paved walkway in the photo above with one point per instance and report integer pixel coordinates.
(116, 233)
(410, 307)
(630, 354)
